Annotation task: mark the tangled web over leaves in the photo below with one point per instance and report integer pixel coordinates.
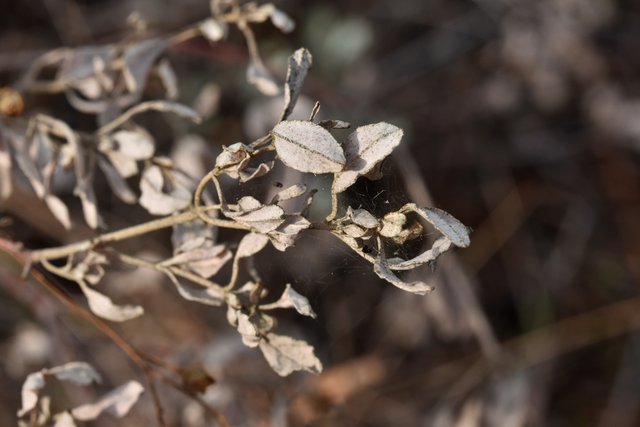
(108, 81)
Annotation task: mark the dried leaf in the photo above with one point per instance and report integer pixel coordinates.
(32, 384)
(292, 299)
(209, 296)
(363, 218)
(155, 200)
(299, 64)
(282, 21)
(102, 306)
(126, 166)
(136, 144)
(77, 372)
(247, 174)
(139, 59)
(381, 268)
(251, 244)
(168, 77)
(444, 222)
(307, 147)
(117, 183)
(205, 260)
(59, 210)
(286, 234)
(364, 148)
(117, 402)
(248, 331)
(289, 193)
(213, 29)
(63, 419)
(286, 355)
(334, 124)
(261, 218)
(80, 373)
(439, 247)
(260, 77)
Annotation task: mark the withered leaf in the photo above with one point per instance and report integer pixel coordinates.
(136, 144)
(282, 21)
(139, 59)
(205, 260)
(299, 64)
(444, 222)
(260, 77)
(439, 247)
(117, 402)
(63, 419)
(58, 209)
(77, 372)
(307, 147)
(251, 244)
(289, 193)
(261, 218)
(117, 183)
(155, 200)
(381, 268)
(209, 296)
(334, 124)
(102, 306)
(286, 355)
(286, 234)
(292, 299)
(364, 148)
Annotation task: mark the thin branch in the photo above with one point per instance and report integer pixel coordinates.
(129, 232)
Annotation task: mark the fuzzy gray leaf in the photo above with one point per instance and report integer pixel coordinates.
(299, 64)
(80, 373)
(307, 147)
(439, 247)
(205, 260)
(261, 218)
(364, 148)
(286, 355)
(286, 234)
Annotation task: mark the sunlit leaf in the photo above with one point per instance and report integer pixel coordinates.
(444, 222)
(307, 147)
(364, 148)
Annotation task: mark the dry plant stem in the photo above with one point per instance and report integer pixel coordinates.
(127, 115)
(137, 262)
(129, 232)
(143, 361)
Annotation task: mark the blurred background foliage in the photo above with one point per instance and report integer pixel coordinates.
(521, 118)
